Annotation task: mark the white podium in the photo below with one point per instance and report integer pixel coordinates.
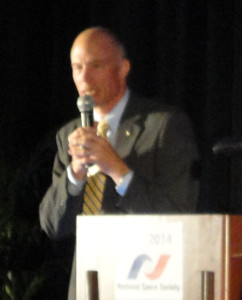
(159, 257)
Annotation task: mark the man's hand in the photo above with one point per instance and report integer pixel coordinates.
(86, 147)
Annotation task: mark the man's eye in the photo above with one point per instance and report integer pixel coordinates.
(96, 66)
(77, 68)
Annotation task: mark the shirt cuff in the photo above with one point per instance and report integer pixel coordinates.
(74, 186)
(124, 184)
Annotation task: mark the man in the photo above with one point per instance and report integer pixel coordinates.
(147, 158)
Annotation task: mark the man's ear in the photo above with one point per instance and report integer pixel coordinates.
(125, 68)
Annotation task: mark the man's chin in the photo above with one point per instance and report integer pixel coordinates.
(91, 93)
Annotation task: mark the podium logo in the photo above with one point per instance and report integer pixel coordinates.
(157, 270)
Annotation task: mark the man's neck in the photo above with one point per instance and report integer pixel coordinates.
(103, 110)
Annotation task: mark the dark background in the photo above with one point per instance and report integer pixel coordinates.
(188, 53)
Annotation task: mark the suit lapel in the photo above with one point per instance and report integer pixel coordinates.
(130, 128)
(127, 134)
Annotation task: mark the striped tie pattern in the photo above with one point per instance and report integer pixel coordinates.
(95, 184)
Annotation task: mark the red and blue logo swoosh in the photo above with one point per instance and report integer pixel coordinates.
(157, 270)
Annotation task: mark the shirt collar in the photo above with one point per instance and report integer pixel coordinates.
(114, 116)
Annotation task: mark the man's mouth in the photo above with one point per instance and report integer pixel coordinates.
(88, 92)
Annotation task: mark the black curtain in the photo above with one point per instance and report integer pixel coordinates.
(187, 53)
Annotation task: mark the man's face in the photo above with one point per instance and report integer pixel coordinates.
(99, 70)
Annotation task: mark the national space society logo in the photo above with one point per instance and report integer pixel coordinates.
(150, 266)
(157, 270)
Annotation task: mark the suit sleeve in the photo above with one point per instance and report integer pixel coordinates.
(164, 180)
(58, 209)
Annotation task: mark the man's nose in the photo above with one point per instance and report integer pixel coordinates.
(85, 74)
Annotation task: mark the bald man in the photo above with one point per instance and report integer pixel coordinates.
(147, 158)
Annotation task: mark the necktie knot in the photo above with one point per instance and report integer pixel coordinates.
(103, 128)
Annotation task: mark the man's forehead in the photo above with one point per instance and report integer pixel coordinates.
(84, 53)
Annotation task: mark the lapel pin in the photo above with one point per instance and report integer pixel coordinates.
(127, 133)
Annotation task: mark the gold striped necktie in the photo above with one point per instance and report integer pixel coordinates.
(93, 194)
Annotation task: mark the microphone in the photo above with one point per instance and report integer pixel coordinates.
(85, 105)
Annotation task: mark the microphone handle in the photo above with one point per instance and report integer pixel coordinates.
(87, 119)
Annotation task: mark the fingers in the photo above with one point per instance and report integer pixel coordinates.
(79, 140)
(77, 137)
(78, 150)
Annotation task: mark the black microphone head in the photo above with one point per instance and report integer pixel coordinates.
(85, 103)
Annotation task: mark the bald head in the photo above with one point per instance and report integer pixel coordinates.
(99, 36)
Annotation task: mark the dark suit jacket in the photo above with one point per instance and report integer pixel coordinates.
(157, 142)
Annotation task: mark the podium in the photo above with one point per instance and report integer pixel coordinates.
(159, 257)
